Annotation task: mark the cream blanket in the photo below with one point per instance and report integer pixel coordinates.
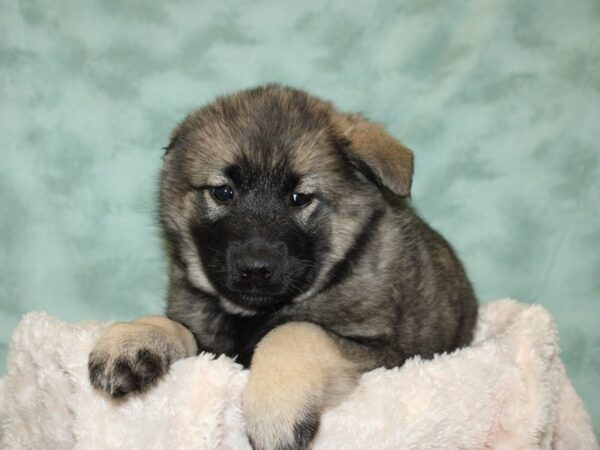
(506, 391)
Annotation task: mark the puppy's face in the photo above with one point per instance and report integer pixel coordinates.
(260, 198)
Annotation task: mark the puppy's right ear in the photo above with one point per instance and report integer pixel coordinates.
(173, 137)
(374, 152)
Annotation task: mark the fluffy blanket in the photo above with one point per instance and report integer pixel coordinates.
(506, 391)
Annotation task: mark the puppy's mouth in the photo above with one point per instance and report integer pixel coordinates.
(256, 301)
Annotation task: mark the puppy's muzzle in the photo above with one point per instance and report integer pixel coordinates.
(257, 266)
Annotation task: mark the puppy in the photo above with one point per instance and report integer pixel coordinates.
(294, 249)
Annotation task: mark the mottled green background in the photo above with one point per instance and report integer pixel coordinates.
(499, 99)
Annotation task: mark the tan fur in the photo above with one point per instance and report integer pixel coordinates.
(388, 158)
(196, 272)
(309, 154)
(296, 371)
(125, 338)
(179, 336)
(344, 225)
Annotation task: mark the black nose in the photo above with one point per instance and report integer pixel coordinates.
(256, 265)
(255, 268)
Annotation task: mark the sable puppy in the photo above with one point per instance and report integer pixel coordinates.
(293, 248)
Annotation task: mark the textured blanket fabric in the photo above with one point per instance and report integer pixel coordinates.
(506, 391)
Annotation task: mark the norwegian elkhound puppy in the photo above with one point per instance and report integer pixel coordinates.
(293, 248)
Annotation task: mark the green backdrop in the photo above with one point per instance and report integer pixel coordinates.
(500, 101)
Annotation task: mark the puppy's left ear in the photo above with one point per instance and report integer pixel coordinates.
(374, 152)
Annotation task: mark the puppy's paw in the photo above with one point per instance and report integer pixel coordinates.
(274, 423)
(296, 372)
(277, 424)
(130, 356)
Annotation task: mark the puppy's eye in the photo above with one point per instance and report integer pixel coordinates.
(298, 199)
(223, 193)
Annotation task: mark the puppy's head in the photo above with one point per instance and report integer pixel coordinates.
(265, 193)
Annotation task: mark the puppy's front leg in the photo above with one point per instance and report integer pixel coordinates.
(297, 370)
(129, 356)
